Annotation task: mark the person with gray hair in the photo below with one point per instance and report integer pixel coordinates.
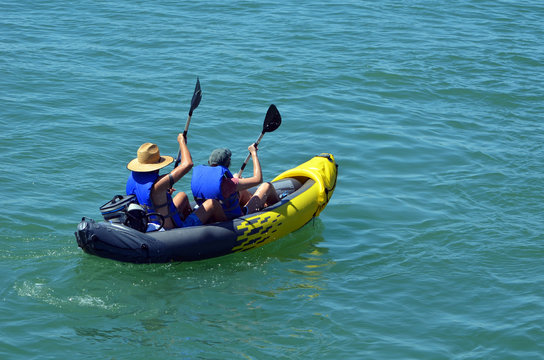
(215, 181)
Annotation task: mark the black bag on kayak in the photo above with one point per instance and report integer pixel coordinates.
(124, 209)
(136, 218)
(115, 209)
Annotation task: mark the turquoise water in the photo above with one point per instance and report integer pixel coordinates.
(431, 247)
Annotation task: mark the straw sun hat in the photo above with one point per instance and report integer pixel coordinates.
(149, 159)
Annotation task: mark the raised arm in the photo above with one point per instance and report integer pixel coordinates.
(257, 178)
(167, 181)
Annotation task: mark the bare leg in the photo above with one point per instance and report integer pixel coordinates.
(182, 204)
(210, 211)
(244, 197)
(271, 195)
(264, 196)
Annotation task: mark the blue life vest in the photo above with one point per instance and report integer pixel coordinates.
(206, 184)
(140, 184)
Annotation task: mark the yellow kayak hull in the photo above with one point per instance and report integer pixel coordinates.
(271, 225)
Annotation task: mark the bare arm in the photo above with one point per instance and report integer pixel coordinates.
(257, 178)
(163, 184)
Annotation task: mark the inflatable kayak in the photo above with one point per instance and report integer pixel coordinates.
(304, 191)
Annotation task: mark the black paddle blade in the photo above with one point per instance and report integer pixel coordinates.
(272, 120)
(197, 96)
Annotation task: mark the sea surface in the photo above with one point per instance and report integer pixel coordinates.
(431, 248)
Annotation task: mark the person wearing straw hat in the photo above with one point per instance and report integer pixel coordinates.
(154, 191)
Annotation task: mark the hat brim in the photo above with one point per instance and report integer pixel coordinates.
(137, 166)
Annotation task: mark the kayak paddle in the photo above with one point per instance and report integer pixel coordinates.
(272, 121)
(197, 96)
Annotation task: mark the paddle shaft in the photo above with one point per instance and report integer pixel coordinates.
(187, 127)
(249, 155)
(197, 96)
(178, 160)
